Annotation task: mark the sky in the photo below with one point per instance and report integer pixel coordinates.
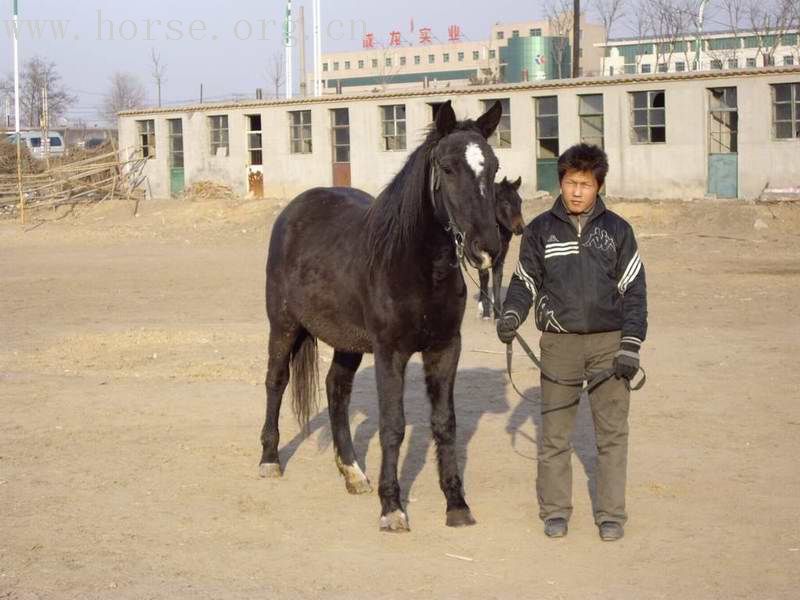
(227, 47)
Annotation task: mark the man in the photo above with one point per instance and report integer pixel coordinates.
(579, 269)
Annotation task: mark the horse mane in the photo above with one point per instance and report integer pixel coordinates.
(396, 214)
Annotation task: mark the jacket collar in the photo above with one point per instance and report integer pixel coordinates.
(560, 210)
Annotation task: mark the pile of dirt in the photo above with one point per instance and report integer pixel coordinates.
(208, 190)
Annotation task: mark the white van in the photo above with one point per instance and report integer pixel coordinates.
(36, 144)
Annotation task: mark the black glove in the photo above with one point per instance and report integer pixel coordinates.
(507, 327)
(626, 361)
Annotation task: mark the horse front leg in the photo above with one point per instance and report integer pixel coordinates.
(390, 369)
(484, 303)
(497, 284)
(440, 373)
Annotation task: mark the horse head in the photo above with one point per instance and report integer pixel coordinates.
(508, 205)
(462, 183)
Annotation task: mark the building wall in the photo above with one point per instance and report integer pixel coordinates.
(675, 169)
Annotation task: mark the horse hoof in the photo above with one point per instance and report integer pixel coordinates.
(395, 522)
(270, 470)
(354, 479)
(358, 486)
(486, 318)
(460, 517)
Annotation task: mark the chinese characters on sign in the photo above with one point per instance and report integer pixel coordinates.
(425, 37)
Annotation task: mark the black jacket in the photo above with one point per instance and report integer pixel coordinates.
(586, 281)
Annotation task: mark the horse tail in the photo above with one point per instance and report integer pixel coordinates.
(305, 378)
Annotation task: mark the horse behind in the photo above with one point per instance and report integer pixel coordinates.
(508, 212)
(383, 277)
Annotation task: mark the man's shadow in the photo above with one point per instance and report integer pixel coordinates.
(583, 439)
(478, 391)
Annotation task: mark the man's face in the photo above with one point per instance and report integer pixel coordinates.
(579, 191)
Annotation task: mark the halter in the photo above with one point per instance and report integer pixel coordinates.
(451, 227)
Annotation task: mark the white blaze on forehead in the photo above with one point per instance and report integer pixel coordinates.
(475, 158)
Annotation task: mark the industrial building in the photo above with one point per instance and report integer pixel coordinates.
(724, 133)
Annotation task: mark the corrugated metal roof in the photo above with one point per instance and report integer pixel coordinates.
(470, 90)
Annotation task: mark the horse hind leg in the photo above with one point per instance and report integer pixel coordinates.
(281, 341)
(339, 387)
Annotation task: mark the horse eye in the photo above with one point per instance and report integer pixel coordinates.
(448, 170)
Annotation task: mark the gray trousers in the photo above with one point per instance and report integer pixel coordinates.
(571, 356)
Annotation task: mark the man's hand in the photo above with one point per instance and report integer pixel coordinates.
(507, 327)
(626, 361)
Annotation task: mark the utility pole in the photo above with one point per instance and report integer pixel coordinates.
(288, 48)
(16, 111)
(576, 38)
(303, 75)
(45, 125)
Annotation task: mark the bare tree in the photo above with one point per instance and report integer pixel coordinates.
(36, 74)
(158, 72)
(559, 20)
(669, 22)
(770, 20)
(126, 92)
(609, 12)
(274, 73)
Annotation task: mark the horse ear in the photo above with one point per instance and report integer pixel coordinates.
(445, 119)
(517, 183)
(505, 180)
(488, 121)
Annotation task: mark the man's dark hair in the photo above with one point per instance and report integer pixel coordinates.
(584, 157)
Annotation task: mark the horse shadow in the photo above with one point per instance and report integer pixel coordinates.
(478, 392)
(583, 438)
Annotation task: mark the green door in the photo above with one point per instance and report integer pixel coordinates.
(723, 156)
(176, 175)
(547, 144)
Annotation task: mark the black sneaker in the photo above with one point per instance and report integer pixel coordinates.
(611, 531)
(555, 528)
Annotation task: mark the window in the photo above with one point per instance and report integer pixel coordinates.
(147, 138)
(36, 142)
(751, 62)
(55, 142)
(788, 60)
(218, 128)
(536, 32)
(733, 63)
(431, 58)
(680, 66)
(645, 68)
(346, 65)
(254, 140)
(361, 64)
(300, 131)
(501, 138)
(716, 64)
(335, 66)
(590, 112)
(416, 60)
(663, 67)
(515, 33)
(786, 110)
(324, 66)
(500, 35)
(402, 61)
(547, 127)
(475, 55)
(769, 61)
(175, 143)
(388, 62)
(446, 57)
(393, 121)
(649, 117)
(340, 121)
(492, 53)
(460, 57)
(374, 63)
(723, 120)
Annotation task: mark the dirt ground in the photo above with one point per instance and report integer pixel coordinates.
(132, 356)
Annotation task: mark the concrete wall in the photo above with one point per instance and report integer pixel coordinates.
(675, 169)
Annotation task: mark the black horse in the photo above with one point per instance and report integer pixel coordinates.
(508, 212)
(383, 276)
